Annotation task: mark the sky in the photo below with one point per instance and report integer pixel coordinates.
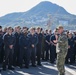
(10, 6)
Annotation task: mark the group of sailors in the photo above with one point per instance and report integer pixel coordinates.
(24, 47)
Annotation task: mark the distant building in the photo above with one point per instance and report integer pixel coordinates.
(63, 22)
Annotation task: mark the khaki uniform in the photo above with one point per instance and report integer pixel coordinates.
(61, 49)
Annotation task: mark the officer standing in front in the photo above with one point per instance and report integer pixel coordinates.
(9, 43)
(70, 54)
(1, 44)
(17, 34)
(47, 46)
(75, 47)
(39, 44)
(61, 49)
(33, 40)
(43, 46)
(53, 41)
(24, 42)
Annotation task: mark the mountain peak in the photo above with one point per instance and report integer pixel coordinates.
(45, 2)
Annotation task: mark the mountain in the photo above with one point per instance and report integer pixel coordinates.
(47, 7)
(38, 15)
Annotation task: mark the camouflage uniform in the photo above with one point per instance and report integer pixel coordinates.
(61, 49)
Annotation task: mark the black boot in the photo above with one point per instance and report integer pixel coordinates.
(39, 64)
(4, 66)
(11, 68)
(27, 67)
(0, 70)
(33, 65)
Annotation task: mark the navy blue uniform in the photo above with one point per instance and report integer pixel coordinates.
(70, 54)
(1, 46)
(47, 38)
(16, 50)
(53, 49)
(24, 42)
(74, 48)
(33, 41)
(43, 47)
(39, 44)
(8, 40)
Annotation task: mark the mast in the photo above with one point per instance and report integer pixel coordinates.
(49, 22)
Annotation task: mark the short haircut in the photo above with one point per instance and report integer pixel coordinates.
(0, 26)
